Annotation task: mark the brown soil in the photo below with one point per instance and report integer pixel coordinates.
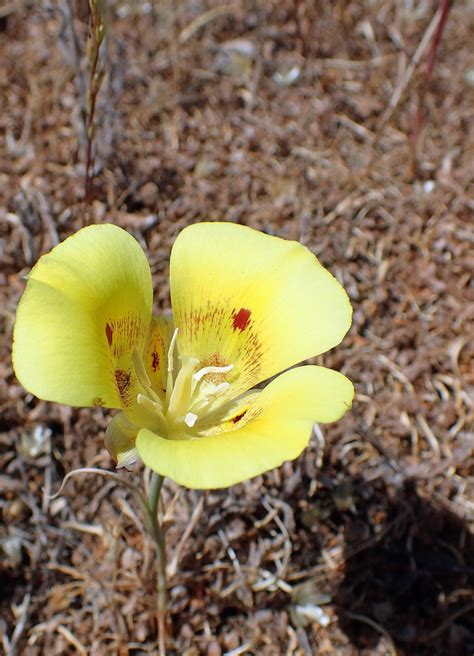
(376, 518)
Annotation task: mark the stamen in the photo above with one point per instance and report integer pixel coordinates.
(217, 391)
(208, 398)
(171, 350)
(169, 382)
(190, 419)
(140, 370)
(142, 376)
(211, 370)
(155, 408)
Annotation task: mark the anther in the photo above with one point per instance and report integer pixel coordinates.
(190, 419)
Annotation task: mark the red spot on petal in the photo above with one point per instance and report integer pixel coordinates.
(238, 417)
(155, 360)
(109, 331)
(241, 319)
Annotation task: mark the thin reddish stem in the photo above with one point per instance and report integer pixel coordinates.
(445, 6)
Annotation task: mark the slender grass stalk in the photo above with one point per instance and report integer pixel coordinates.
(157, 532)
(97, 35)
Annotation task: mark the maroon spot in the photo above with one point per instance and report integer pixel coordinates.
(109, 331)
(241, 319)
(155, 360)
(239, 417)
(122, 378)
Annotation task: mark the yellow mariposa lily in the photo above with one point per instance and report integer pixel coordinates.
(246, 306)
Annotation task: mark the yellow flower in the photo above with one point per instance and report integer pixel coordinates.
(246, 306)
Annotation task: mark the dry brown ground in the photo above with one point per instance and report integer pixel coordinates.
(375, 519)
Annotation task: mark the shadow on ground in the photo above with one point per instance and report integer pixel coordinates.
(412, 579)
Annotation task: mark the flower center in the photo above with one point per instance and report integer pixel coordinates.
(191, 392)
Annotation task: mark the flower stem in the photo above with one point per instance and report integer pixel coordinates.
(156, 483)
(158, 534)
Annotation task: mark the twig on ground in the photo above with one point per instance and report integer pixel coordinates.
(173, 566)
(71, 638)
(173, 39)
(11, 7)
(202, 20)
(72, 51)
(446, 624)
(44, 211)
(23, 611)
(377, 627)
(406, 78)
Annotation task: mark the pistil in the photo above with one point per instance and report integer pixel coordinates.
(181, 396)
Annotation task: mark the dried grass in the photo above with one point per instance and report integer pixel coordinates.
(378, 514)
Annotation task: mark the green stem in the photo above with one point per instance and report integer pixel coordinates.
(156, 484)
(158, 534)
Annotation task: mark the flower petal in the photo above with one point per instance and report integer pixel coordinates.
(86, 306)
(120, 440)
(257, 302)
(280, 426)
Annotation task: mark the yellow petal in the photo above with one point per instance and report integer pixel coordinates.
(279, 428)
(86, 306)
(257, 302)
(120, 440)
